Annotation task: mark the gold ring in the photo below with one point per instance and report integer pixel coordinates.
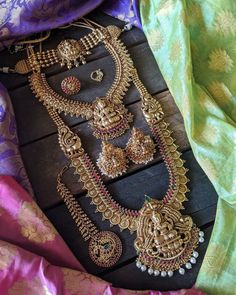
(97, 75)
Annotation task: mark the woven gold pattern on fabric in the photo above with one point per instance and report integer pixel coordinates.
(34, 225)
(7, 255)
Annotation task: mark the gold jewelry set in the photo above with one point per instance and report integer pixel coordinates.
(166, 240)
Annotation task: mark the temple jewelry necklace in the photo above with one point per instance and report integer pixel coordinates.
(166, 240)
(108, 115)
(105, 247)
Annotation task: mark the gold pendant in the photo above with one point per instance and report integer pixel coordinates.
(105, 248)
(110, 119)
(166, 239)
(71, 52)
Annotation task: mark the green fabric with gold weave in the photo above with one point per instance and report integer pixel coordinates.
(194, 44)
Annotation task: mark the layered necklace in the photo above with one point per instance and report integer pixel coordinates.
(166, 240)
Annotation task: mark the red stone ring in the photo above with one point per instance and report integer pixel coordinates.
(70, 85)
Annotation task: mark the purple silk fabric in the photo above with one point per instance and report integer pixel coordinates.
(10, 159)
(21, 17)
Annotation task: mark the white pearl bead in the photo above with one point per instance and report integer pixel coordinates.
(182, 271)
(193, 260)
(201, 234)
(143, 268)
(201, 240)
(163, 273)
(150, 271)
(156, 273)
(188, 265)
(170, 273)
(195, 254)
(138, 264)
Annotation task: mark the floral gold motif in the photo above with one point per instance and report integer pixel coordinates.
(34, 225)
(7, 255)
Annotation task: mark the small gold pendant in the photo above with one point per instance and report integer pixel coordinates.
(105, 248)
(166, 240)
(110, 119)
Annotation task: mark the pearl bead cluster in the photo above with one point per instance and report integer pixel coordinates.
(170, 273)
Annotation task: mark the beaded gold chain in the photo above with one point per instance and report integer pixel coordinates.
(166, 240)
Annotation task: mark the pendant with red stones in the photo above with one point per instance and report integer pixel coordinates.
(70, 85)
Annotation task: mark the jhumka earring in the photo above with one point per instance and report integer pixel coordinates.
(70, 85)
(112, 160)
(140, 148)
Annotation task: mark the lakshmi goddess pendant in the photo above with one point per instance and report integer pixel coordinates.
(166, 240)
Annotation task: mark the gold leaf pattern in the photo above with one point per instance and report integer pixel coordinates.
(208, 166)
(175, 51)
(225, 23)
(7, 255)
(155, 39)
(214, 260)
(220, 61)
(165, 8)
(29, 287)
(220, 92)
(79, 283)
(34, 225)
(194, 16)
(209, 134)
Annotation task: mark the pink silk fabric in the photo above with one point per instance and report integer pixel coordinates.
(35, 260)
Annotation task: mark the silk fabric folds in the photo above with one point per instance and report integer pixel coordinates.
(194, 44)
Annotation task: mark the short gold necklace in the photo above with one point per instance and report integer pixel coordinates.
(108, 116)
(166, 240)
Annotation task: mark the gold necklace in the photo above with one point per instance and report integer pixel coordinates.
(105, 247)
(166, 240)
(108, 115)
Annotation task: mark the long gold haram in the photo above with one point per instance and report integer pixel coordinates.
(105, 247)
(107, 124)
(166, 240)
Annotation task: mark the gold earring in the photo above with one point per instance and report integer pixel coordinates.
(140, 148)
(112, 160)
